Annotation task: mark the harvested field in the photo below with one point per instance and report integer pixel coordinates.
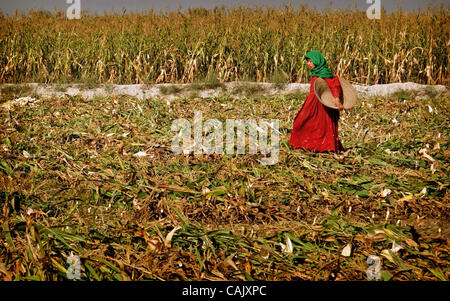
(97, 178)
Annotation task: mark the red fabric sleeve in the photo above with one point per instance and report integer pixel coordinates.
(335, 86)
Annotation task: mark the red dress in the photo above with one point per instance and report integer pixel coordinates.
(315, 125)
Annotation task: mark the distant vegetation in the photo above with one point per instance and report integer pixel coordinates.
(231, 43)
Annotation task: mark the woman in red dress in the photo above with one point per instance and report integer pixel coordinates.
(315, 126)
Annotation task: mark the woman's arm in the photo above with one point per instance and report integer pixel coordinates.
(336, 91)
(338, 104)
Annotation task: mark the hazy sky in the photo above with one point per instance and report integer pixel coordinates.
(8, 7)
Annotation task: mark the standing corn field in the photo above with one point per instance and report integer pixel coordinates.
(232, 44)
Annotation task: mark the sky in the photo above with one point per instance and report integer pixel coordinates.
(8, 7)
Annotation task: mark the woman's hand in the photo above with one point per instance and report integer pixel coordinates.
(338, 104)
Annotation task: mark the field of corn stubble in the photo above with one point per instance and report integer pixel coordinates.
(97, 178)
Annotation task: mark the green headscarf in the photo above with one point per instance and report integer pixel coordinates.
(320, 63)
